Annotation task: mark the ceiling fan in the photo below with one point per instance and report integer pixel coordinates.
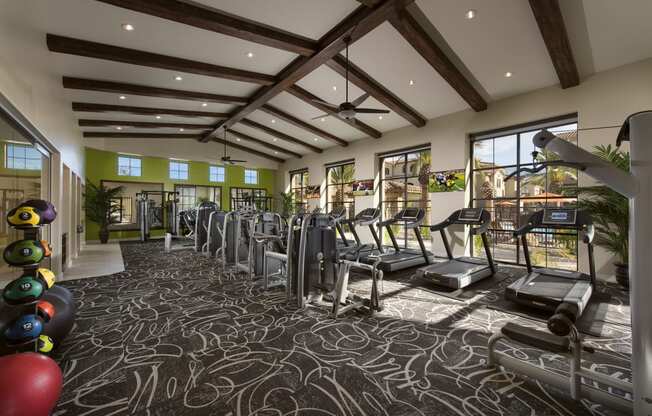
(227, 159)
(347, 110)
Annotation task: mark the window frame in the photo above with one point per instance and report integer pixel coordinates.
(304, 176)
(210, 174)
(249, 170)
(180, 187)
(521, 213)
(130, 167)
(179, 163)
(28, 148)
(349, 203)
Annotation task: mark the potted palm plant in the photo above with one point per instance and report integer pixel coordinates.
(100, 207)
(610, 213)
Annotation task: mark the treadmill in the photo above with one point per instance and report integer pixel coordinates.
(548, 288)
(459, 272)
(403, 258)
(359, 252)
(338, 215)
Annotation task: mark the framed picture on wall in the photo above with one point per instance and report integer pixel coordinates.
(447, 181)
(312, 192)
(363, 187)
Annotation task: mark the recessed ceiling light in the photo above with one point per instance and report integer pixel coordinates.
(122, 97)
(470, 14)
(316, 139)
(158, 117)
(118, 128)
(508, 74)
(323, 119)
(128, 27)
(181, 129)
(178, 78)
(237, 140)
(275, 139)
(334, 87)
(273, 121)
(204, 104)
(250, 55)
(275, 152)
(411, 82)
(380, 117)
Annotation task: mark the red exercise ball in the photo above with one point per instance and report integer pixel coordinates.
(30, 384)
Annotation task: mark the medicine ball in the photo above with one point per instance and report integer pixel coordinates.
(26, 252)
(45, 310)
(32, 213)
(64, 319)
(63, 293)
(45, 344)
(30, 384)
(23, 329)
(46, 276)
(25, 289)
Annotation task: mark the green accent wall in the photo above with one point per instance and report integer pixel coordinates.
(103, 165)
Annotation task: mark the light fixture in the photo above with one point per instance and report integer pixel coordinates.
(275, 152)
(118, 128)
(323, 119)
(128, 27)
(470, 14)
(237, 140)
(380, 117)
(250, 55)
(158, 117)
(316, 139)
(508, 74)
(178, 78)
(334, 87)
(181, 129)
(273, 121)
(275, 139)
(411, 82)
(122, 97)
(204, 104)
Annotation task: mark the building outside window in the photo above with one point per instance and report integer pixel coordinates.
(404, 184)
(298, 183)
(216, 173)
(178, 170)
(129, 166)
(339, 187)
(510, 202)
(20, 156)
(251, 176)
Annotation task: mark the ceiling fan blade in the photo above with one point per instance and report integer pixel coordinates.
(237, 161)
(322, 116)
(360, 99)
(371, 111)
(329, 105)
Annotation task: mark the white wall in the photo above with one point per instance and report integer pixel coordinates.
(601, 100)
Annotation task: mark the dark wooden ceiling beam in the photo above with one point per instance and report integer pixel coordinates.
(417, 36)
(553, 29)
(289, 118)
(220, 22)
(360, 22)
(248, 150)
(366, 83)
(130, 135)
(279, 135)
(270, 146)
(85, 48)
(313, 100)
(141, 124)
(142, 111)
(134, 89)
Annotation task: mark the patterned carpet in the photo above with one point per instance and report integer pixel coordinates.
(165, 337)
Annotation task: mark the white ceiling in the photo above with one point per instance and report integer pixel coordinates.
(503, 37)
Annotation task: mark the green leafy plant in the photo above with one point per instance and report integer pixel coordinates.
(100, 207)
(609, 209)
(287, 204)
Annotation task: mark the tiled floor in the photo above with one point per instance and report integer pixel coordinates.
(96, 260)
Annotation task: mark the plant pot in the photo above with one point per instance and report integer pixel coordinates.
(104, 235)
(622, 274)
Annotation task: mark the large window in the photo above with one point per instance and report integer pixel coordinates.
(192, 195)
(178, 170)
(241, 197)
(339, 187)
(216, 173)
(20, 156)
(129, 166)
(510, 202)
(404, 184)
(298, 183)
(251, 176)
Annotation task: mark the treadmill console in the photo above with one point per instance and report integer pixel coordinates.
(338, 212)
(470, 215)
(408, 214)
(368, 214)
(553, 216)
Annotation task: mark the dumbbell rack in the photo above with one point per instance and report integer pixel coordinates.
(31, 233)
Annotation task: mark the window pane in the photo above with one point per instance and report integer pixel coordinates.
(505, 150)
(483, 184)
(483, 154)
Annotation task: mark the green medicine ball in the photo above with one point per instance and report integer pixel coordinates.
(25, 289)
(24, 253)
